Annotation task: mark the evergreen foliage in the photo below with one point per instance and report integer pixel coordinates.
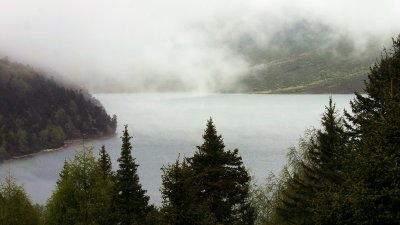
(211, 187)
(105, 163)
(178, 193)
(315, 174)
(107, 182)
(131, 201)
(375, 124)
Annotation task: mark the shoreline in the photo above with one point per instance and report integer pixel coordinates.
(67, 143)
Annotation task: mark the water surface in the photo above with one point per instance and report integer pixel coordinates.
(163, 126)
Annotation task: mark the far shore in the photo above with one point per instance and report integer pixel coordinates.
(67, 143)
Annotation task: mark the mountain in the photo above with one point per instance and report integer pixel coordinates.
(306, 57)
(37, 112)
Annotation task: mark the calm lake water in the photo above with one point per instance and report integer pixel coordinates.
(163, 126)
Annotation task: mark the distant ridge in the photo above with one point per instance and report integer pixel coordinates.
(307, 57)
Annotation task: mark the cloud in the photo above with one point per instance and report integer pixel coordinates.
(139, 44)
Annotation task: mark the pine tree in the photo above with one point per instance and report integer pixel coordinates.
(64, 172)
(375, 125)
(131, 201)
(105, 188)
(178, 194)
(330, 160)
(317, 174)
(105, 163)
(221, 181)
(331, 145)
(383, 84)
(212, 187)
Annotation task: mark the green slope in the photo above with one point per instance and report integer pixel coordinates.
(306, 57)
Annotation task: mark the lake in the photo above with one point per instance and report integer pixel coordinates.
(163, 126)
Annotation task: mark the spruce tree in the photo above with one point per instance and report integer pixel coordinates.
(64, 172)
(178, 193)
(317, 174)
(105, 163)
(221, 181)
(329, 161)
(131, 201)
(382, 85)
(105, 187)
(375, 125)
(212, 187)
(331, 146)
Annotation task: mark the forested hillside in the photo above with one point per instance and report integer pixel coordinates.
(37, 112)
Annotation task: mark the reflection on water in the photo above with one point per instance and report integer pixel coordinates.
(164, 125)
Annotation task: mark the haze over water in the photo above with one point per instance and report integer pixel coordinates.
(163, 126)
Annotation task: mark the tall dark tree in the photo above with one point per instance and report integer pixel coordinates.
(211, 187)
(317, 174)
(375, 123)
(382, 86)
(222, 180)
(131, 201)
(329, 160)
(106, 190)
(331, 145)
(178, 192)
(105, 163)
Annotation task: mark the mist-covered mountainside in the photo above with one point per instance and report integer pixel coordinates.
(298, 56)
(37, 112)
(306, 57)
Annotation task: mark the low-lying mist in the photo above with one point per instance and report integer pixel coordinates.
(177, 45)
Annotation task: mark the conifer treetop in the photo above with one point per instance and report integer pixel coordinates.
(212, 141)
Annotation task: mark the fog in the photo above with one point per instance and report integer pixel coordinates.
(153, 45)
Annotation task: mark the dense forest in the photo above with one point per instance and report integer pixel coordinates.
(37, 112)
(345, 172)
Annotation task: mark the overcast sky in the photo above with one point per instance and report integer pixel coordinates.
(132, 41)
